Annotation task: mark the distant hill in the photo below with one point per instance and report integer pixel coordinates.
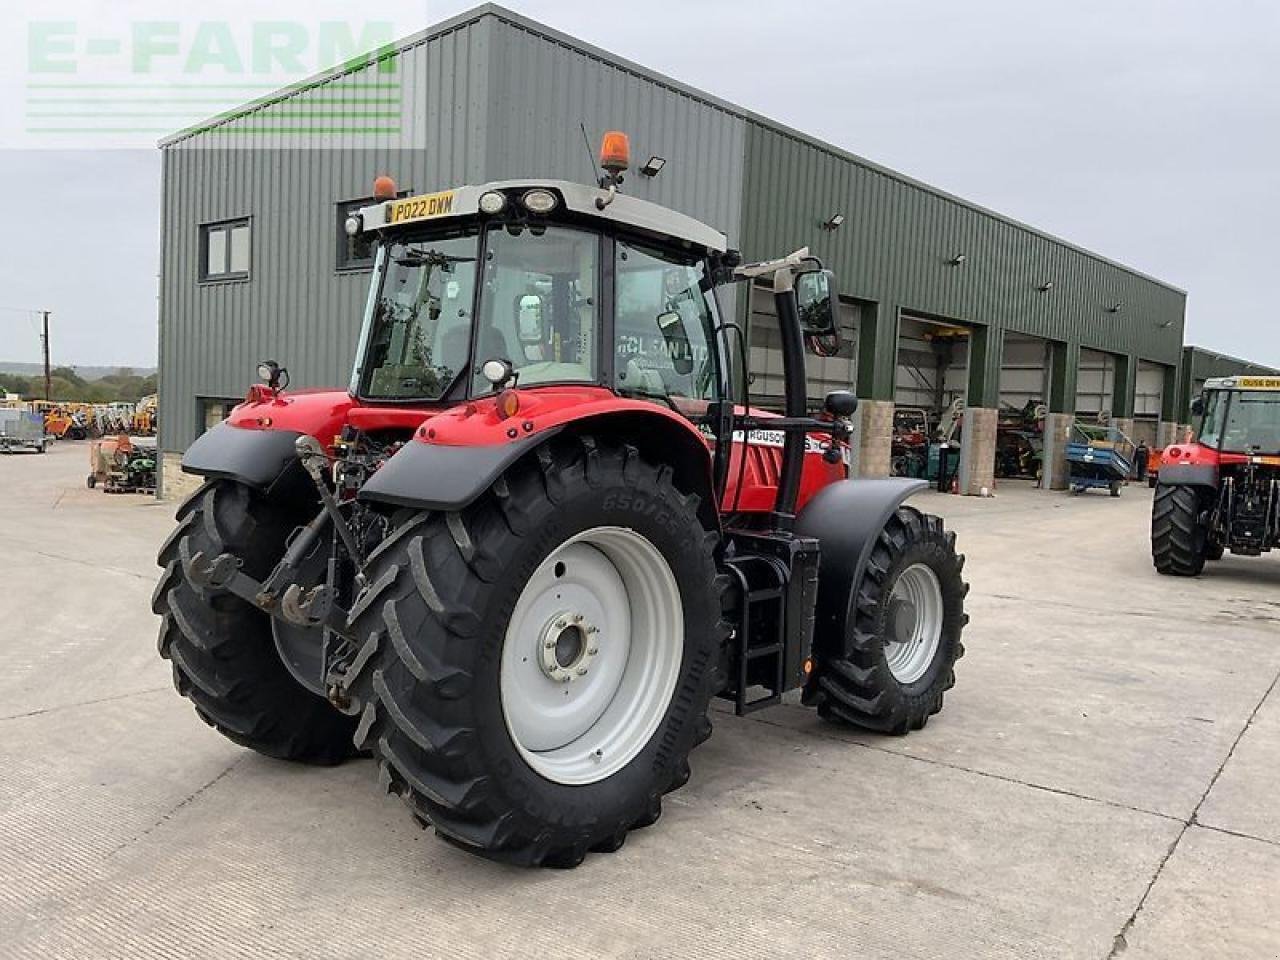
(85, 372)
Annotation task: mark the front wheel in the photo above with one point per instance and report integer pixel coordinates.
(891, 672)
(1178, 538)
(539, 664)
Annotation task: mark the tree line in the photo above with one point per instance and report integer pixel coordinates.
(68, 386)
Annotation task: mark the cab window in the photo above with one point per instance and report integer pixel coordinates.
(540, 305)
(665, 315)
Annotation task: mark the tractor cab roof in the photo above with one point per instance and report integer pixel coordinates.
(1243, 383)
(598, 204)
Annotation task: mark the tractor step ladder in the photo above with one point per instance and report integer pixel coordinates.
(764, 604)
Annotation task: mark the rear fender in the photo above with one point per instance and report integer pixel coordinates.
(458, 455)
(263, 459)
(846, 518)
(1189, 465)
(1188, 475)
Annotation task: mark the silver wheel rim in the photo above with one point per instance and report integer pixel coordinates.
(591, 655)
(915, 623)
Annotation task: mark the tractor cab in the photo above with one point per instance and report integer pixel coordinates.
(1240, 416)
(527, 284)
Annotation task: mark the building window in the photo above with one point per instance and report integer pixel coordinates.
(224, 250)
(213, 410)
(354, 253)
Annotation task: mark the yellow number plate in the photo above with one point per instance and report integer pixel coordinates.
(422, 208)
(1260, 383)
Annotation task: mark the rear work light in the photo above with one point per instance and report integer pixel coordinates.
(492, 202)
(539, 201)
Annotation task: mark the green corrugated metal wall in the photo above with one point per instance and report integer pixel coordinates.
(1199, 364)
(899, 235)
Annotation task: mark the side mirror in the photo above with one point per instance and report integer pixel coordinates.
(529, 326)
(816, 306)
(677, 339)
(841, 403)
(1197, 407)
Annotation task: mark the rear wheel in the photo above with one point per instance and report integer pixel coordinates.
(891, 673)
(1178, 540)
(1114, 487)
(221, 649)
(539, 665)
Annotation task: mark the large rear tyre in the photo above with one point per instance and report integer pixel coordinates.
(539, 665)
(891, 672)
(1178, 538)
(223, 656)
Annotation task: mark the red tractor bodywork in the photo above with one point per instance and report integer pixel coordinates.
(752, 487)
(1198, 455)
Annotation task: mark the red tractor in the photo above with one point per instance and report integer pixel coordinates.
(1221, 492)
(541, 529)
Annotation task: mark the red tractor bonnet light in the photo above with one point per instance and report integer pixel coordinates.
(384, 188)
(615, 152)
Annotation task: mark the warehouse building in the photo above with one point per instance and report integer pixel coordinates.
(946, 306)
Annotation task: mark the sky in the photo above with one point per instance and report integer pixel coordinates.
(1146, 131)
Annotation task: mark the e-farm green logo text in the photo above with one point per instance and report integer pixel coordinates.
(129, 83)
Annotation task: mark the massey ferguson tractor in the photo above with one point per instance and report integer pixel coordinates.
(1221, 492)
(517, 557)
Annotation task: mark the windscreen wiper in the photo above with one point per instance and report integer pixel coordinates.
(431, 258)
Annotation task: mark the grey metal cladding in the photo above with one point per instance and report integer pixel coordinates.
(296, 307)
(546, 90)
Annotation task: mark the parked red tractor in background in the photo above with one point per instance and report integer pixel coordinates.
(541, 529)
(1222, 491)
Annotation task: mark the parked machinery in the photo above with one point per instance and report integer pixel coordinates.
(63, 421)
(909, 454)
(21, 430)
(146, 416)
(1020, 441)
(122, 465)
(541, 529)
(1221, 491)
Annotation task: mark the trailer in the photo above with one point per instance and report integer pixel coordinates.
(22, 430)
(1098, 456)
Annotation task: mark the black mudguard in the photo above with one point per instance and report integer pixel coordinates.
(258, 458)
(846, 518)
(429, 476)
(1188, 475)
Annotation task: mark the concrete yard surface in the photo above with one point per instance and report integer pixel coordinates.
(1102, 781)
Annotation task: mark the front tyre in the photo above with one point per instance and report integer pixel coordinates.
(1179, 544)
(539, 665)
(221, 649)
(891, 672)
